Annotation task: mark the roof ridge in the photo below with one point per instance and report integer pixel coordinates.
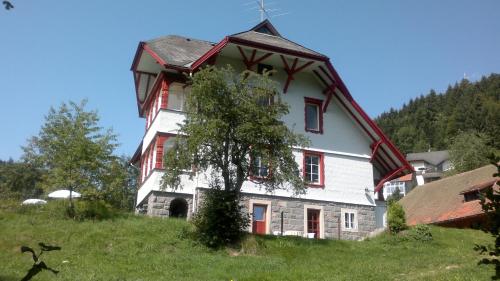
(181, 36)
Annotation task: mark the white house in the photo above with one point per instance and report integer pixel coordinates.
(429, 166)
(348, 160)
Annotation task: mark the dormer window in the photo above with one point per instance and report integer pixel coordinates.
(471, 196)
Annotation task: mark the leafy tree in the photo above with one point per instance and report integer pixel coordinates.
(73, 150)
(120, 184)
(19, 180)
(490, 203)
(229, 116)
(469, 151)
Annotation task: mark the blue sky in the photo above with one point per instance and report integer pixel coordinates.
(385, 51)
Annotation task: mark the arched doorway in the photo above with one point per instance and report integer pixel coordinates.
(178, 208)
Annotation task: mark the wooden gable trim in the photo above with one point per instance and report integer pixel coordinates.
(292, 70)
(249, 62)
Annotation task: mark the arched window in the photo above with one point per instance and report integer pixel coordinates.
(178, 208)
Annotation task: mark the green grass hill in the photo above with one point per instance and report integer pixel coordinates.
(141, 248)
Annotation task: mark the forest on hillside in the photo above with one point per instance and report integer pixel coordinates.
(433, 121)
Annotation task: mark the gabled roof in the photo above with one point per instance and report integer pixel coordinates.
(442, 200)
(433, 157)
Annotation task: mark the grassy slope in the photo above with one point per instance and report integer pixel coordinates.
(138, 248)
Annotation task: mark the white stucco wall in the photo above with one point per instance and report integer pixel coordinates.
(165, 122)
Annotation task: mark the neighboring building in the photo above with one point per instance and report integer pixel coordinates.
(405, 184)
(452, 201)
(429, 166)
(348, 160)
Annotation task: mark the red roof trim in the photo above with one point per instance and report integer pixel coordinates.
(391, 175)
(215, 50)
(370, 122)
(153, 54)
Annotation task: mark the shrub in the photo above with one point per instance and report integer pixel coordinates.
(93, 209)
(396, 217)
(421, 232)
(220, 220)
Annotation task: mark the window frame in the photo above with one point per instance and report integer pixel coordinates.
(351, 221)
(251, 167)
(321, 169)
(319, 104)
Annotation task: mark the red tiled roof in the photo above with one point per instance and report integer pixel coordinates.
(442, 200)
(408, 177)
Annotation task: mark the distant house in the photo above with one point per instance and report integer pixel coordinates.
(405, 184)
(452, 201)
(429, 166)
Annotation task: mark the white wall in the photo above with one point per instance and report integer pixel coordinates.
(165, 122)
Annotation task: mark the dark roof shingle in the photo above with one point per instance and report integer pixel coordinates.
(178, 50)
(275, 41)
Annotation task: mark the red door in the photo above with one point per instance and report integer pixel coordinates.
(259, 219)
(313, 222)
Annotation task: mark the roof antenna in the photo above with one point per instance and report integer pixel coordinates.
(265, 11)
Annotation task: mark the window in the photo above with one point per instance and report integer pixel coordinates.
(313, 115)
(471, 196)
(259, 169)
(177, 97)
(313, 168)
(168, 144)
(349, 220)
(261, 67)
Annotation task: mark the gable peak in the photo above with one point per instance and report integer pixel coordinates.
(266, 27)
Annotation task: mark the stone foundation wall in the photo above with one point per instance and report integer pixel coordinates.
(294, 215)
(158, 204)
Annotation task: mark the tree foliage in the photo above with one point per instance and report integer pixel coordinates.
(228, 117)
(219, 221)
(19, 180)
(468, 151)
(434, 120)
(490, 203)
(71, 148)
(232, 119)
